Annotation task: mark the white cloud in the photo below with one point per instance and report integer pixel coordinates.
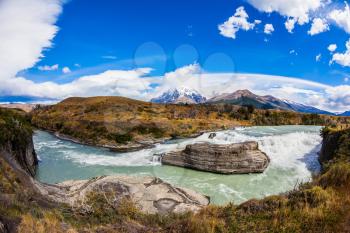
(257, 21)
(346, 79)
(239, 21)
(48, 68)
(136, 84)
(109, 57)
(332, 47)
(27, 26)
(318, 26)
(290, 24)
(342, 58)
(341, 17)
(268, 29)
(318, 57)
(299, 10)
(66, 70)
(293, 52)
(113, 82)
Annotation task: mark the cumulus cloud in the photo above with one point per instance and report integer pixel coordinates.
(268, 29)
(341, 17)
(290, 24)
(239, 21)
(26, 28)
(138, 84)
(298, 10)
(342, 58)
(66, 70)
(332, 47)
(318, 25)
(48, 68)
(113, 82)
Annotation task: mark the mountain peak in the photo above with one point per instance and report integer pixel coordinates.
(244, 92)
(180, 95)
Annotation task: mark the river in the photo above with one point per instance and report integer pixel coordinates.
(292, 150)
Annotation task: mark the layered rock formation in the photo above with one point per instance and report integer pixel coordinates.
(238, 158)
(149, 194)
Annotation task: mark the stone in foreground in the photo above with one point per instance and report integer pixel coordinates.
(237, 158)
(151, 195)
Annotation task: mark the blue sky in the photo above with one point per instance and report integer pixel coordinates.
(164, 44)
(93, 31)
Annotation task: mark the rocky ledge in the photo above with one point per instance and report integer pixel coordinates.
(237, 158)
(151, 195)
(129, 147)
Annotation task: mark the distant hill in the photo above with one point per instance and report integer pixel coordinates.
(246, 97)
(125, 124)
(180, 96)
(24, 107)
(347, 113)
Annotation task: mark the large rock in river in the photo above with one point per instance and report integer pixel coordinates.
(237, 158)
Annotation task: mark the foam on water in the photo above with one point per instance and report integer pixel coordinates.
(292, 150)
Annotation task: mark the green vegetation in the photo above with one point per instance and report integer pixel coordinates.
(14, 126)
(120, 121)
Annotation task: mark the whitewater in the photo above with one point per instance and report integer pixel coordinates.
(293, 151)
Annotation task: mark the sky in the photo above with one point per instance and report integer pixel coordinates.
(297, 49)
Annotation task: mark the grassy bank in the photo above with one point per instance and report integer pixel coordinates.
(120, 121)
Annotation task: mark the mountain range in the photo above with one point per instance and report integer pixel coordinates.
(240, 97)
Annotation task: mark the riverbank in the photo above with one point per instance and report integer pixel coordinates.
(127, 125)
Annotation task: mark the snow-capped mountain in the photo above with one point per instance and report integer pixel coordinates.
(241, 97)
(246, 97)
(181, 95)
(297, 107)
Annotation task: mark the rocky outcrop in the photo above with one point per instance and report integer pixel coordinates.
(24, 154)
(149, 194)
(330, 144)
(238, 158)
(16, 139)
(129, 147)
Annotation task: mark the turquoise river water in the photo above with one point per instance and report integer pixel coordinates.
(292, 150)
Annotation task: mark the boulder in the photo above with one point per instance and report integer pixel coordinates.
(151, 195)
(212, 135)
(237, 158)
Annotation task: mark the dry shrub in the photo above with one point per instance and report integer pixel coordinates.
(49, 223)
(338, 175)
